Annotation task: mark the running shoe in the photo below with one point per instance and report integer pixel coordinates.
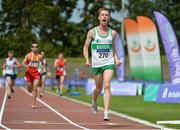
(33, 106)
(60, 94)
(29, 89)
(9, 96)
(12, 90)
(41, 95)
(106, 116)
(94, 106)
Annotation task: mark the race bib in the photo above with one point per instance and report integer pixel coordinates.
(60, 68)
(103, 53)
(34, 64)
(9, 68)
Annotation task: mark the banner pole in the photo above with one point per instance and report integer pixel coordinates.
(122, 22)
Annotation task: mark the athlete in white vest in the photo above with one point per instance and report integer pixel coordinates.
(10, 66)
(42, 69)
(104, 58)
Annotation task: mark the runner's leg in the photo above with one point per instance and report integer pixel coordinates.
(61, 85)
(29, 87)
(34, 92)
(97, 91)
(99, 85)
(29, 81)
(107, 76)
(58, 85)
(13, 82)
(9, 84)
(43, 78)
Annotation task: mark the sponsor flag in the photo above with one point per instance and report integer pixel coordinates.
(120, 70)
(150, 49)
(134, 49)
(170, 45)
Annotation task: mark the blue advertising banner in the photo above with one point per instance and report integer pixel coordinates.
(170, 45)
(49, 82)
(169, 93)
(117, 88)
(20, 82)
(120, 70)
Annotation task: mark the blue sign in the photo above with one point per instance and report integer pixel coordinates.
(117, 88)
(169, 93)
(20, 82)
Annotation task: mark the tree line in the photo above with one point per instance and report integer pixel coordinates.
(48, 22)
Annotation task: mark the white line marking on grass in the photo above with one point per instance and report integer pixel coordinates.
(120, 114)
(55, 111)
(2, 111)
(169, 122)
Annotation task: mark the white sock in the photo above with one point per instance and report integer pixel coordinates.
(106, 111)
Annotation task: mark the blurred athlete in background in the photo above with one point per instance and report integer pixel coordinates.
(60, 64)
(10, 67)
(43, 72)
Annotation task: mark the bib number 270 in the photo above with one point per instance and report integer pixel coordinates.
(103, 55)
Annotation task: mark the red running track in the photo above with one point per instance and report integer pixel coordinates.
(54, 112)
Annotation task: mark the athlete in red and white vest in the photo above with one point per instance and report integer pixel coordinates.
(59, 64)
(32, 75)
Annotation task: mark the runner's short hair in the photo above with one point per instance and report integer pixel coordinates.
(41, 52)
(101, 9)
(34, 42)
(11, 51)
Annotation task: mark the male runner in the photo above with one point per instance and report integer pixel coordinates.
(42, 69)
(60, 64)
(31, 62)
(10, 67)
(104, 58)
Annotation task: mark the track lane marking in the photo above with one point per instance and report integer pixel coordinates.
(55, 111)
(121, 115)
(2, 111)
(60, 123)
(36, 122)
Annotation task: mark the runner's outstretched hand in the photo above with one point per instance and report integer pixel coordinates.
(88, 64)
(118, 62)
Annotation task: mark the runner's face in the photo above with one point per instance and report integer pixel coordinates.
(10, 55)
(42, 54)
(104, 17)
(60, 56)
(34, 47)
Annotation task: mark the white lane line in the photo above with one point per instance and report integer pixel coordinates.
(2, 111)
(119, 114)
(60, 123)
(59, 114)
(36, 122)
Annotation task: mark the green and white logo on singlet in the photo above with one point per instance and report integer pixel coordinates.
(101, 48)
